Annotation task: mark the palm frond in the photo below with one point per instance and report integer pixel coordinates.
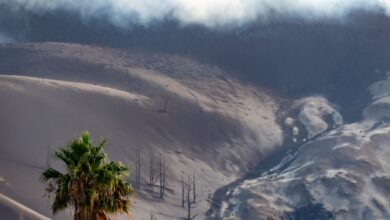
(50, 173)
(92, 183)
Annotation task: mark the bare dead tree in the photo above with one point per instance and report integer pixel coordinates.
(138, 168)
(152, 168)
(165, 105)
(183, 189)
(194, 187)
(162, 170)
(164, 109)
(188, 200)
(164, 183)
(160, 175)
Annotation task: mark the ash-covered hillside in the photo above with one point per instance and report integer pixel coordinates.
(199, 119)
(342, 173)
(295, 56)
(282, 116)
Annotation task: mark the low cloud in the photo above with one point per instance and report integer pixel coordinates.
(211, 13)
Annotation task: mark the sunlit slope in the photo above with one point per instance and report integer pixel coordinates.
(212, 125)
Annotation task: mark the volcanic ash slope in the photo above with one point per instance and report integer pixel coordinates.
(342, 173)
(213, 126)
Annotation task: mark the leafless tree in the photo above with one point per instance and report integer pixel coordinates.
(152, 168)
(164, 109)
(194, 187)
(188, 200)
(162, 170)
(161, 177)
(183, 189)
(138, 168)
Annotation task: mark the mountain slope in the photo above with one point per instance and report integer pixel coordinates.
(342, 173)
(214, 125)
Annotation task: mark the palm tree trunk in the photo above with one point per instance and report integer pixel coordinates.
(82, 214)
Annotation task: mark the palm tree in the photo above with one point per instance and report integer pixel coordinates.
(92, 185)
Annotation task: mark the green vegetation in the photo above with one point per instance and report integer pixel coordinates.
(92, 185)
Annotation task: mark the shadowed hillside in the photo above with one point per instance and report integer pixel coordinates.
(293, 56)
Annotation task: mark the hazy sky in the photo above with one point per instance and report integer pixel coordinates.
(4, 38)
(211, 13)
